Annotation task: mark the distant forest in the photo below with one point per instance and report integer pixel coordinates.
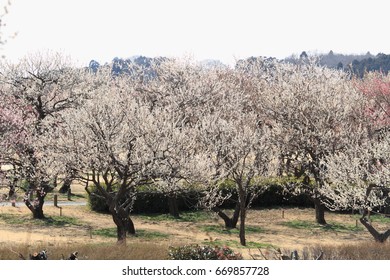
(356, 64)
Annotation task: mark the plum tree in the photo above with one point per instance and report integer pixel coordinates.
(34, 92)
(314, 112)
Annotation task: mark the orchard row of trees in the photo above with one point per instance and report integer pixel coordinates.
(189, 125)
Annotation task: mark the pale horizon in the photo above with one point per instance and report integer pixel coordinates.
(203, 29)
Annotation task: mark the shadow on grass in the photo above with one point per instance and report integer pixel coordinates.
(236, 244)
(55, 221)
(375, 218)
(188, 216)
(222, 230)
(334, 227)
(142, 234)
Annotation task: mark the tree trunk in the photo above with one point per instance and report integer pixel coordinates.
(12, 189)
(173, 208)
(242, 225)
(229, 222)
(123, 224)
(379, 237)
(38, 212)
(11, 193)
(130, 226)
(65, 186)
(242, 203)
(236, 214)
(320, 212)
(121, 234)
(36, 207)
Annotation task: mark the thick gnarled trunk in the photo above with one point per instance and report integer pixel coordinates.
(230, 222)
(35, 205)
(123, 223)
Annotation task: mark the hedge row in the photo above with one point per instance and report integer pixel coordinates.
(157, 202)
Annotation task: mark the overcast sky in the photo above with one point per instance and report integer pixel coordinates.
(205, 29)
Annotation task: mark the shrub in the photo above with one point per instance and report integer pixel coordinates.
(24, 185)
(150, 200)
(205, 252)
(147, 201)
(96, 202)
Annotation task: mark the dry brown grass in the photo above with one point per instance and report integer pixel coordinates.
(357, 251)
(104, 251)
(151, 251)
(360, 251)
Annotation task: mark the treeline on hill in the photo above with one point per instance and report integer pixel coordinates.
(129, 65)
(356, 64)
(133, 64)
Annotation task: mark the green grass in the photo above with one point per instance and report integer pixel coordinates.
(223, 230)
(188, 216)
(60, 221)
(336, 227)
(55, 221)
(375, 218)
(64, 197)
(112, 233)
(236, 244)
(14, 219)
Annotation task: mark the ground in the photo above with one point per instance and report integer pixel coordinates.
(288, 229)
(76, 225)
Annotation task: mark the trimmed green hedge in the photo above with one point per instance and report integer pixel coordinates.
(95, 202)
(157, 202)
(147, 201)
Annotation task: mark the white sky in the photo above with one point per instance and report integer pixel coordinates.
(215, 29)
